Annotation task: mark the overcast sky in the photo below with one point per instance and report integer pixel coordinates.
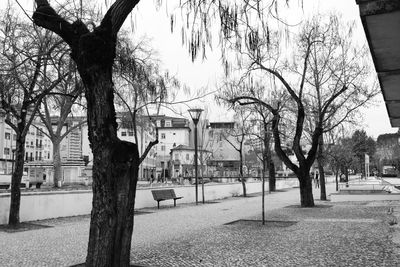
(156, 26)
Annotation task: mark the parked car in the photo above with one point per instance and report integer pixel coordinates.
(5, 180)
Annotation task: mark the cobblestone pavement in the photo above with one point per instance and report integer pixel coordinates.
(332, 234)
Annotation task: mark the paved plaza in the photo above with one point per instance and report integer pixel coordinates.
(228, 233)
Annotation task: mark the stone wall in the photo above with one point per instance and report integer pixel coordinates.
(54, 204)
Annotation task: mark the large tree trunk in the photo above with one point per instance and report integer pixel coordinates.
(15, 202)
(57, 162)
(306, 195)
(115, 163)
(115, 174)
(114, 187)
(320, 159)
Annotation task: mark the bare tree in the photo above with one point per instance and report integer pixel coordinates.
(338, 61)
(27, 75)
(236, 137)
(116, 162)
(62, 100)
(340, 86)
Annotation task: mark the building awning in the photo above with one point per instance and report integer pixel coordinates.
(381, 22)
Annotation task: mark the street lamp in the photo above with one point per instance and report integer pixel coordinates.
(195, 114)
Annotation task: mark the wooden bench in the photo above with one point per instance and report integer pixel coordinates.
(164, 194)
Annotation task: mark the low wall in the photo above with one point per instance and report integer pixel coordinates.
(335, 197)
(54, 204)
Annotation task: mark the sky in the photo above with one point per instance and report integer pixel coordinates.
(155, 25)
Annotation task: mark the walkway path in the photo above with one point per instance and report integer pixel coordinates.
(191, 235)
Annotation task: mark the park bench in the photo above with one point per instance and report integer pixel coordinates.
(164, 194)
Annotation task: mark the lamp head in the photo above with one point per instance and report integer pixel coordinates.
(195, 114)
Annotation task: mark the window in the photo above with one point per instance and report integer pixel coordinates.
(36, 155)
(14, 137)
(163, 136)
(6, 151)
(130, 133)
(173, 133)
(211, 134)
(187, 156)
(176, 156)
(7, 136)
(167, 124)
(162, 148)
(26, 155)
(123, 133)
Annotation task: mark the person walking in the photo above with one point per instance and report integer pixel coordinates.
(316, 180)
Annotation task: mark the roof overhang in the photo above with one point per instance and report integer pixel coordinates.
(381, 22)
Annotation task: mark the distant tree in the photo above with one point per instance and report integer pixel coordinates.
(387, 151)
(362, 145)
(341, 158)
(27, 75)
(58, 127)
(236, 137)
(338, 61)
(263, 120)
(299, 99)
(116, 162)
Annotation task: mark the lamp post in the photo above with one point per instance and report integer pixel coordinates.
(195, 114)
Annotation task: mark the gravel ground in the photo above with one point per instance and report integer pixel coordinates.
(332, 234)
(340, 235)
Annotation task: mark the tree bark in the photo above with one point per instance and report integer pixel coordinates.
(114, 187)
(15, 200)
(115, 162)
(337, 180)
(241, 174)
(115, 174)
(263, 194)
(57, 162)
(306, 195)
(271, 178)
(321, 167)
(269, 161)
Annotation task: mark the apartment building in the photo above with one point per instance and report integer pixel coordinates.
(225, 159)
(7, 145)
(172, 132)
(38, 146)
(145, 133)
(182, 161)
